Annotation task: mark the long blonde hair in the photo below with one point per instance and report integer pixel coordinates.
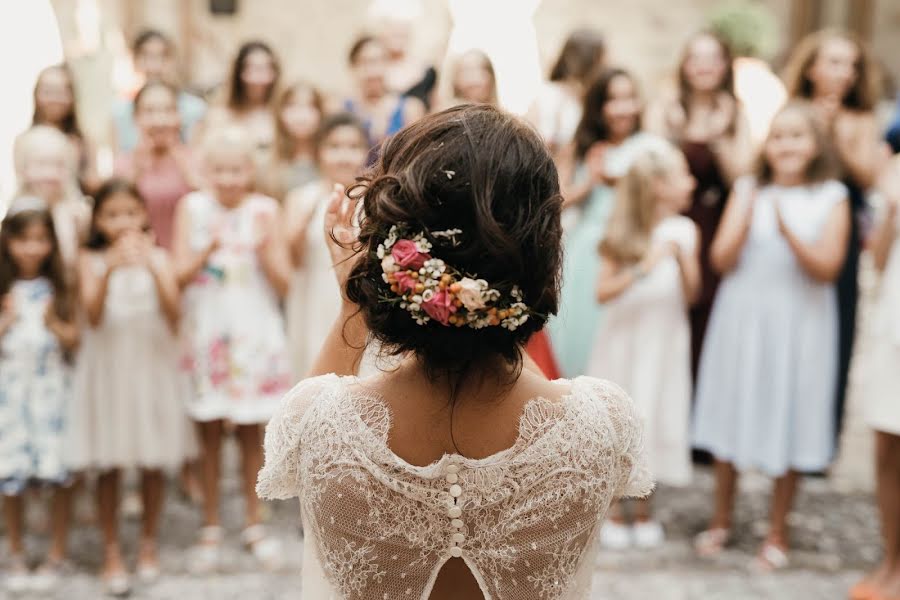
(635, 212)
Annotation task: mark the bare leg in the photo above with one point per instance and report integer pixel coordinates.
(887, 453)
(785, 490)
(250, 438)
(108, 509)
(211, 439)
(152, 489)
(14, 515)
(726, 485)
(62, 516)
(643, 509)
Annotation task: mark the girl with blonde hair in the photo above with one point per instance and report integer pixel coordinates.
(649, 276)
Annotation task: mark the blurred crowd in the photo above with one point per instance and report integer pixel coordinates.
(713, 236)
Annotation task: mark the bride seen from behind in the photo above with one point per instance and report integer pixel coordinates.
(462, 473)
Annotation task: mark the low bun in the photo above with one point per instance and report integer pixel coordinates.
(481, 171)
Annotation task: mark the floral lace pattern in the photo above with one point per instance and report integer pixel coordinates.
(524, 520)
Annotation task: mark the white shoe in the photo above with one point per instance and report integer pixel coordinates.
(615, 536)
(648, 534)
(17, 579)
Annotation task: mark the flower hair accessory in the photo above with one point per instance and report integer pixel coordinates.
(430, 290)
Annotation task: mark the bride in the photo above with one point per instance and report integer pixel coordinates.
(461, 473)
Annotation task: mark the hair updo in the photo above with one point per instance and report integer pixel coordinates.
(487, 173)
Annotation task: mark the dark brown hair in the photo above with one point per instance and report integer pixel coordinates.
(487, 173)
(866, 89)
(334, 121)
(148, 35)
(116, 185)
(726, 86)
(593, 126)
(358, 45)
(237, 93)
(823, 165)
(581, 56)
(54, 269)
(69, 124)
(285, 146)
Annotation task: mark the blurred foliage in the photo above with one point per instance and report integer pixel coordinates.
(749, 27)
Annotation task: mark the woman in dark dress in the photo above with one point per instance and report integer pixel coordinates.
(707, 122)
(835, 72)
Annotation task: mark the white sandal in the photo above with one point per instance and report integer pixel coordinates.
(771, 558)
(205, 556)
(17, 578)
(266, 549)
(711, 542)
(117, 585)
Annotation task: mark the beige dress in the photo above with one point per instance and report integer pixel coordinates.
(314, 299)
(129, 406)
(880, 375)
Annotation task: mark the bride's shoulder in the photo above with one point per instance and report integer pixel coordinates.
(607, 410)
(602, 402)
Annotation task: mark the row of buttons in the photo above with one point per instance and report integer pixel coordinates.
(455, 511)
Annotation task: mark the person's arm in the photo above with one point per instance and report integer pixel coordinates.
(7, 314)
(823, 259)
(187, 262)
(882, 239)
(94, 287)
(346, 342)
(273, 256)
(299, 210)
(860, 147)
(689, 269)
(733, 231)
(67, 332)
(167, 289)
(734, 152)
(575, 192)
(615, 278)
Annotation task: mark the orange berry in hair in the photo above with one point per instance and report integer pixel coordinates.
(502, 314)
(395, 289)
(455, 288)
(420, 287)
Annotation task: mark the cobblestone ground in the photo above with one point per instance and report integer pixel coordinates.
(835, 537)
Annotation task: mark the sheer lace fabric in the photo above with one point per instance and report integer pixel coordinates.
(524, 520)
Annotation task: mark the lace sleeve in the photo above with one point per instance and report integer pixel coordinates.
(634, 479)
(279, 477)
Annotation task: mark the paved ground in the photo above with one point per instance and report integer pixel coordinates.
(835, 535)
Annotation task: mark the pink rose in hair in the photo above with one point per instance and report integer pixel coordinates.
(407, 255)
(439, 307)
(404, 281)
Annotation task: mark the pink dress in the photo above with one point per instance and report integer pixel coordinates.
(162, 185)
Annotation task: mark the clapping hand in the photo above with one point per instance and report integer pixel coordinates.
(7, 311)
(595, 161)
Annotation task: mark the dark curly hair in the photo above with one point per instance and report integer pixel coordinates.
(483, 171)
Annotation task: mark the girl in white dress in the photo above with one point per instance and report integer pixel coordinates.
(649, 275)
(880, 383)
(130, 393)
(765, 391)
(459, 473)
(230, 255)
(313, 299)
(37, 332)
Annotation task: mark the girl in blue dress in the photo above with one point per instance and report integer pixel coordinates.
(37, 333)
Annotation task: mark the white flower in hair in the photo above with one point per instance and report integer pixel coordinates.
(471, 293)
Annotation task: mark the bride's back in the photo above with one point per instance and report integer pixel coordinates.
(458, 474)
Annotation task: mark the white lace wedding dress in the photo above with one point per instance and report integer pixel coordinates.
(524, 520)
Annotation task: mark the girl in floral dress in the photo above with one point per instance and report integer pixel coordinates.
(36, 331)
(232, 261)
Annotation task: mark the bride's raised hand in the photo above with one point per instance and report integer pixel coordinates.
(341, 233)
